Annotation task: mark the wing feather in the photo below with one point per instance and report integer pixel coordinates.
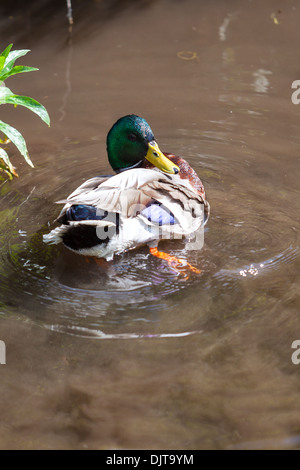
(129, 192)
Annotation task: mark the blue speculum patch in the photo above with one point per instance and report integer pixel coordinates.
(158, 214)
(83, 212)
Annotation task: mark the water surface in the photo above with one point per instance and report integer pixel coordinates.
(135, 356)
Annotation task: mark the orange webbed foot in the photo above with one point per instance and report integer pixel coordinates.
(180, 265)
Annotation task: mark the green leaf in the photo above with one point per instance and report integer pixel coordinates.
(7, 97)
(2, 60)
(10, 60)
(7, 69)
(6, 165)
(31, 104)
(15, 70)
(6, 170)
(6, 51)
(4, 94)
(5, 158)
(17, 138)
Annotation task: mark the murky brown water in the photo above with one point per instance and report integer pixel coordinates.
(135, 357)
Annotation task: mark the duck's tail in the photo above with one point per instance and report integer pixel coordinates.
(57, 235)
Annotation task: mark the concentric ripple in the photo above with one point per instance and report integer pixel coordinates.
(74, 295)
(138, 295)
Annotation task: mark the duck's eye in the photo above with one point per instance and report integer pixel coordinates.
(132, 137)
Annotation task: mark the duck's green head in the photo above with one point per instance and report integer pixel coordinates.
(130, 141)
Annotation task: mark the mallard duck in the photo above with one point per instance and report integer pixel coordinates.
(152, 196)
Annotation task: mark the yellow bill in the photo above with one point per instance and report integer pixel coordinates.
(157, 158)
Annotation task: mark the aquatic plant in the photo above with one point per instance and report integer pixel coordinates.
(7, 69)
